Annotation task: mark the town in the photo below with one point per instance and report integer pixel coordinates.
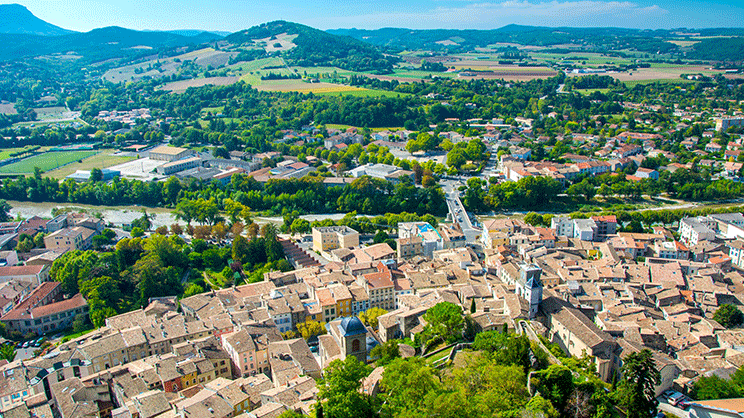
(279, 221)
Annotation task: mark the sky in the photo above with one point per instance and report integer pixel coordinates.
(235, 15)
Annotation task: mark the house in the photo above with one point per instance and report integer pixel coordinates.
(694, 230)
(577, 335)
(30, 317)
(36, 274)
(647, 173)
(327, 238)
(717, 408)
(606, 225)
(70, 239)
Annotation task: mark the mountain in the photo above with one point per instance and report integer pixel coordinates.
(466, 40)
(17, 19)
(308, 47)
(97, 45)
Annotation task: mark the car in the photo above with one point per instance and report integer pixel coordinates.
(26, 344)
(667, 393)
(683, 404)
(676, 398)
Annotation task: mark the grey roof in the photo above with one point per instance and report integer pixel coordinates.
(352, 326)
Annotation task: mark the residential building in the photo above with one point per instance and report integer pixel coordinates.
(327, 238)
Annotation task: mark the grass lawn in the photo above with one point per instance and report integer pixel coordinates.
(590, 91)
(47, 161)
(100, 160)
(5, 153)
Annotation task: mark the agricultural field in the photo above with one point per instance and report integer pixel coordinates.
(101, 160)
(5, 153)
(47, 161)
(167, 66)
(183, 85)
(8, 109)
(54, 113)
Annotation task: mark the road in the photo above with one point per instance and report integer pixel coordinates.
(665, 407)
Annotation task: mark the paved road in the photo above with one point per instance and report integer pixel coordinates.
(25, 353)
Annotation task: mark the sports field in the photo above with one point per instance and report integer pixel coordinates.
(100, 160)
(47, 161)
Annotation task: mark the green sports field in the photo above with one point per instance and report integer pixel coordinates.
(47, 161)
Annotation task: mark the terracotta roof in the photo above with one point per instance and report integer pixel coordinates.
(20, 270)
(735, 405)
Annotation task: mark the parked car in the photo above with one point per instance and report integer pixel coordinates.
(667, 393)
(675, 399)
(684, 403)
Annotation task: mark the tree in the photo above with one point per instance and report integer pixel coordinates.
(371, 315)
(162, 230)
(533, 219)
(24, 246)
(96, 175)
(241, 249)
(556, 384)
(8, 352)
(385, 352)
(39, 240)
(445, 320)
(636, 389)
(714, 387)
(542, 405)
(176, 229)
(310, 328)
(728, 315)
(339, 392)
(4, 211)
(137, 232)
(472, 305)
(300, 226)
(193, 289)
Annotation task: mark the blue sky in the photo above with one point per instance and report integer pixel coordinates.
(233, 15)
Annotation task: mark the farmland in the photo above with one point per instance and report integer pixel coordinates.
(183, 85)
(46, 161)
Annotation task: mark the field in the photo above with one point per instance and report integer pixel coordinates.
(47, 161)
(164, 67)
(8, 109)
(183, 85)
(587, 92)
(5, 153)
(100, 160)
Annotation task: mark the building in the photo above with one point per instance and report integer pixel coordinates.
(380, 288)
(431, 239)
(346, 337)
(694, 230)
(647, 173)
(717, 408)
(69, 239)
(166, 153)
(382, 171)
(327, 238)
(606, 225)
(41, 319)
(35, 274)
(175, 166)
(723, 124)
(84, 175)
(577, 335)
(410, 247)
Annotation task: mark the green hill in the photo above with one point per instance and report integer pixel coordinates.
(317, 48)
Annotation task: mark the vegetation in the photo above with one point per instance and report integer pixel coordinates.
(728, 315)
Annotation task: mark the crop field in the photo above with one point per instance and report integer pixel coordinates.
(168, 66)
(47, 161)
(8, 109)
(5, 153)
(183, 85)
(100, 160)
